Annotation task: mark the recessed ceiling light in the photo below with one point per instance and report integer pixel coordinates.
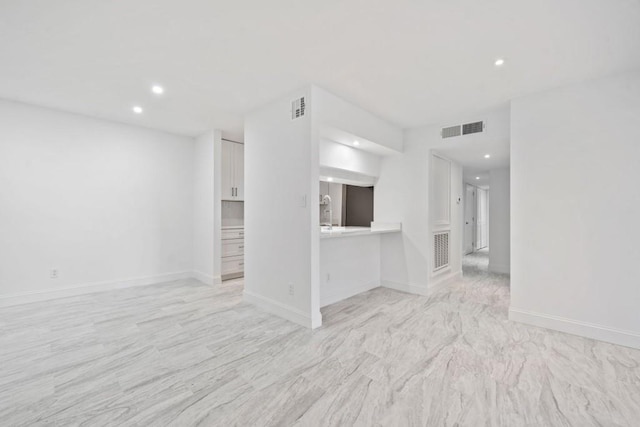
(137, 109)
(499, 62)
(356, 143)
(486, 156)
(158, 90)
(329, 179)
(477, 177)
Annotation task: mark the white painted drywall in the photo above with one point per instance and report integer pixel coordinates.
(457, 222)
(281, 211)
(575, 208)
(205, 220)
(499, 221)
(99, 201)
(402, 195)
(335, 112)
(348, 266)
(482, 219)
(340, 156)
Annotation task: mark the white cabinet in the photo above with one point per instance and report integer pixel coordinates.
(232, 267)
(232, 252)
(232, 171)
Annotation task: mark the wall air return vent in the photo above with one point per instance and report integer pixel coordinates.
(474, 127)
(440, 250)
(451, 131)
(298, 107)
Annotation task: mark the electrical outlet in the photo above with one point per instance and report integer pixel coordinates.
(53, 273)
(291, 289)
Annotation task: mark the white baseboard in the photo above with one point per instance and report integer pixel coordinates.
(576, 327)
(285, 311)
(207, 279)
(89, 288)
(500, 268)
(405, 287)
(441, 281)
(438, 282)
(328, 298)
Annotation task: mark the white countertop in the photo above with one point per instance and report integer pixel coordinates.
(325, 233)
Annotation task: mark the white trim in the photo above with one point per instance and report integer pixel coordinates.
(89, 288)
(499, 268)
(328, 298)
(279, 309)
(405, 287)
(444, 280)
(576, 327)
(207, 279)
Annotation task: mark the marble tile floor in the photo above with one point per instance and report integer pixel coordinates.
(186, 354)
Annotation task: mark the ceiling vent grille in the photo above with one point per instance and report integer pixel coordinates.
(298, 108)
(440, 250)
(465, 129)
(450, 131)
(474, 127)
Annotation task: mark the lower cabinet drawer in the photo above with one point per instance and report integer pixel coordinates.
(233, 233)
(232, 247)
(234, 264)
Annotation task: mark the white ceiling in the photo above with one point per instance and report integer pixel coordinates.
(470, 150)
(471, 177)
(410, 62)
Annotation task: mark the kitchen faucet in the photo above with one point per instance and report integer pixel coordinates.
(327, 199)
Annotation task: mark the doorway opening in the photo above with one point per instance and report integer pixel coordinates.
(476, 226)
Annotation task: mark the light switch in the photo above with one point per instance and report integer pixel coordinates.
(302, 201)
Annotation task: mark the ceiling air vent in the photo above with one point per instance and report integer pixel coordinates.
(474, 127)
(450, 131)
(297, 108)
(465, 129)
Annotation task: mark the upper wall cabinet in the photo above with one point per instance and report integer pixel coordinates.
(232, 171)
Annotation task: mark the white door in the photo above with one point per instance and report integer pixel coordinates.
(482, 222)
(469, 218)
(238, 170)
(226, 181)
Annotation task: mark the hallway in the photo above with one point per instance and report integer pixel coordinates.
(476, 263)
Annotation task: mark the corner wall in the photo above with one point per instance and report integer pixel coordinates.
(281, 215)
(575, 209)
(106, 204)
(206, 213)
(499, 221)
(404, 194)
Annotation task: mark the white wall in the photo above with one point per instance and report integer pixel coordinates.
(482, 219)
(281, 211)
(402, 195)
(340, 156)
(574, 206)
(457, 221)
(101, 202)
(206, 222)
(499, 221)
(335, 112)
(348, 266)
